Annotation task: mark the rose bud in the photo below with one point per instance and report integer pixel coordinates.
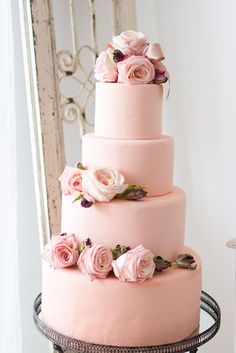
(133, 192)
(185, 261)
(80, 165)
(85, 203)
(119, 250)
(161, 264)
(160, 77)
(85, 243)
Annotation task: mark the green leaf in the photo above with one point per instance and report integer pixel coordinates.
(78, 197)
(135, 187)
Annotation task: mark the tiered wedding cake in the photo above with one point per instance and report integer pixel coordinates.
(146, 290)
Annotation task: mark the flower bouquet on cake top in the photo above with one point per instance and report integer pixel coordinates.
(129, 58)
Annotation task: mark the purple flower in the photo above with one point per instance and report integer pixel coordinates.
(85, 203)
(118, 56)
(185, 261)
(161, 264)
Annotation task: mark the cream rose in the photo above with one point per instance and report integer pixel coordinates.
(103, 184)
(135, 265)
(136, 69)
(61, 251)
(105, 68)
(130, 42)
(71, 181)
(95, 261)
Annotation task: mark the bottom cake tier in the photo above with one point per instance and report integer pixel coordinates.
(160, 310)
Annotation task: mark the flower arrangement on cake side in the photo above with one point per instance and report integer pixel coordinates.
(90, 185)
(130, 59)
(97, 261)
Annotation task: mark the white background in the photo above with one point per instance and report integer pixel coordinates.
(199, 41)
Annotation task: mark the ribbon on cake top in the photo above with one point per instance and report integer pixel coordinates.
(130, 59)
(90, 185)
(97, 261)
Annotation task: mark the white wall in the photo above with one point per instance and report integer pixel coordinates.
(198, 38)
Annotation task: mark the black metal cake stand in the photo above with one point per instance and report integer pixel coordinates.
(209, 326)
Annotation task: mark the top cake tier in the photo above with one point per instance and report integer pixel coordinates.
(129, 93)
(124, 111)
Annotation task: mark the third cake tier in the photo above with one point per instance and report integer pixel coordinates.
(158, 223)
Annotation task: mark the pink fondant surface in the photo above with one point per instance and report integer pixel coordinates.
(156, 222)
(160, 310)
(144, 162)
(128, 111)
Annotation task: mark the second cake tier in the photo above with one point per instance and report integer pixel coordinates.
(156, 222)
(144, 162)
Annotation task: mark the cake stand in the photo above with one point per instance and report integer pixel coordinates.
(209, 326)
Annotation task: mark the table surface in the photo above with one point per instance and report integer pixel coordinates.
(210, 317)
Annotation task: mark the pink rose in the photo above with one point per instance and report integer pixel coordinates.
(135, 265)
(105, 68)
(103, 184)
(130, 42)
(71, 181)
(95, 261)
(61, 251)
(136, 69)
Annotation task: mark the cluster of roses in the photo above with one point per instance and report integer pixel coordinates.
(97, 184)
(129, 58)
(97, 261)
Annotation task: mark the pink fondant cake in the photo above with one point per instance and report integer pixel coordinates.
(120, 273)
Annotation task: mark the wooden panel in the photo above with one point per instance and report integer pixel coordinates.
(50, 112)
(123, 15)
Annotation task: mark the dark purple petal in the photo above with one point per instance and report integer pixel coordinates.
(159, 73)
(88, 242)
(85, 203)
(118, 56)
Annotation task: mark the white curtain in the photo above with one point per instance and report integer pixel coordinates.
(10, 318)
(20, 267)
(199, 41)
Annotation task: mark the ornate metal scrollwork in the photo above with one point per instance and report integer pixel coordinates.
(70, 66)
